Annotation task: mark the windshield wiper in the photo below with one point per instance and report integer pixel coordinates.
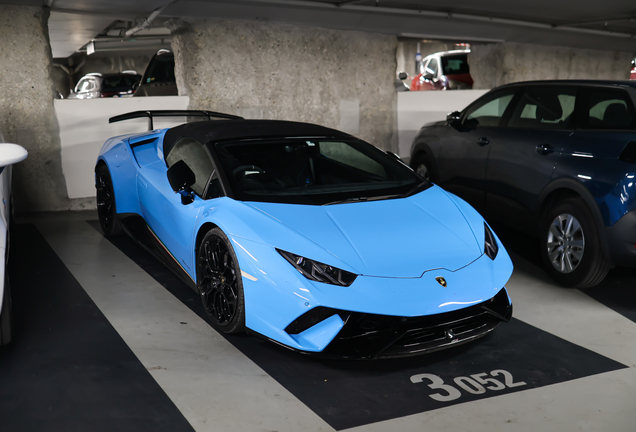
(418, 188)
(363, 199)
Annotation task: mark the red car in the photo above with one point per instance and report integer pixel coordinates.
(447, 70)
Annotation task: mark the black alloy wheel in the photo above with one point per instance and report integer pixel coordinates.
(571, 246)
(106, 207)
(220, 283)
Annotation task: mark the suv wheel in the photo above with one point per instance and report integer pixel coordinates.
(570, 245)
(422, 165)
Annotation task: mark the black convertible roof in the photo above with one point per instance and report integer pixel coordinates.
(585, 82)
(221, 130)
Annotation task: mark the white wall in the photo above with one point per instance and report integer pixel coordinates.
(84, 128)
(414, 109)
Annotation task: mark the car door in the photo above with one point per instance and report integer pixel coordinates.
(523, 158)
(606, 124)
(465, 146)
(172, 221)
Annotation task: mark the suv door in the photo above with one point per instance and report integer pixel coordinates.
(522, 160)
(606, 123)
(464, 153)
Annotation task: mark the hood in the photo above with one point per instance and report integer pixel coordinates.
(390, 238)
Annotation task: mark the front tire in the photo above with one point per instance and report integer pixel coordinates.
(220, 283)
(106, 206)
(423, 166)
(6, 318)
(571, 245)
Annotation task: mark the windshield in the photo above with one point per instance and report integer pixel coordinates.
(314, 171)
(455, 64)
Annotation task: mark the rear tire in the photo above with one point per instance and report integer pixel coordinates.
(6, 318)
(571, 246)
(106, 206)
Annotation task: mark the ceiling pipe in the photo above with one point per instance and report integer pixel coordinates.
(572, 24)
(146, 22)
(436, 14)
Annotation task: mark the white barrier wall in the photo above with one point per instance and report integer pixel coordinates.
(84, 128)
(418, 108)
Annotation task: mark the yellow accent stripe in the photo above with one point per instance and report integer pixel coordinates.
(248, 276)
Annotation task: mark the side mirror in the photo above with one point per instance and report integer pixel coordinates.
(11, 153)
(402, 76)
(454, 117)
(429, 76)
(181, 179)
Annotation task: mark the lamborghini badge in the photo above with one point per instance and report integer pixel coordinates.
(440, 280)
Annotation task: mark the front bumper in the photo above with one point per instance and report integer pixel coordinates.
(364, 335)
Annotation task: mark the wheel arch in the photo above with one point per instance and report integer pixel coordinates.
(203, 230)
(421, 148)
(564, 188)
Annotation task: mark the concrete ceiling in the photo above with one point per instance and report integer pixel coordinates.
(604, 25)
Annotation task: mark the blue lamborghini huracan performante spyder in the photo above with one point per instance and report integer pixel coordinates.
(306, 236)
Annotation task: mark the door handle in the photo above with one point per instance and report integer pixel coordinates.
(544, 149)
(483, 141)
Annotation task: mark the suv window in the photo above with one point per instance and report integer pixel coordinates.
(83, 85)
(489, 111)
(455, 64)
(160, 70)
(544, 108)
(432, 67)
(603, 108)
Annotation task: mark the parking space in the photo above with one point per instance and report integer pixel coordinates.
(101, 323)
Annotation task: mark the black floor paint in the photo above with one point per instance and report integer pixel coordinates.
(617, 291)
(67, 369)
(346, 394)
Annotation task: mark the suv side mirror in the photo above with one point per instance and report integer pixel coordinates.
(402, 76)
(429, 76)
(181, 179)
(454, 117)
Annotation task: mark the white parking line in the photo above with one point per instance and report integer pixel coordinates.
(211, 382)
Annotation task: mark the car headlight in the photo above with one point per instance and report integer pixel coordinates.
(490, 244)
(319, 272)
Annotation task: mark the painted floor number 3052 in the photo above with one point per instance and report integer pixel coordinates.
(475, 384)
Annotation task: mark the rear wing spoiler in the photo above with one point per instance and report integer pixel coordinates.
(171, 113)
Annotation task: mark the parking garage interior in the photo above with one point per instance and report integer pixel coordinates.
(107, 338)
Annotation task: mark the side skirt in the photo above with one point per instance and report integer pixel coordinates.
(137, 228)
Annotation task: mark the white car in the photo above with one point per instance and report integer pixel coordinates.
(9, 154)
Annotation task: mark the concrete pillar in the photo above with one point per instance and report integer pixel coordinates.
(339, 79)
(492, 65)
(27, 116)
